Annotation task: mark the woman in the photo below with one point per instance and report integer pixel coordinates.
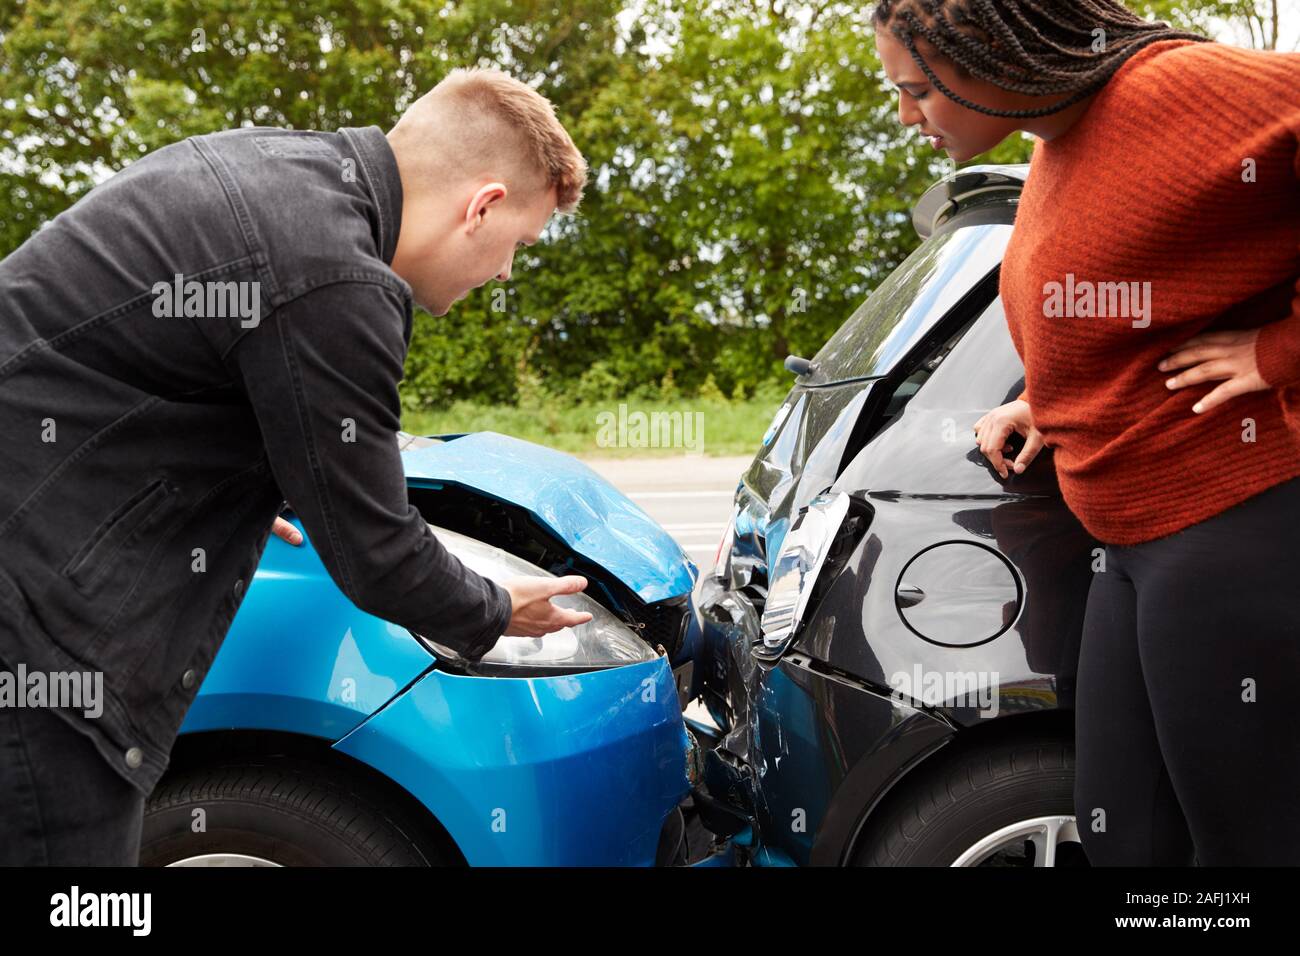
(1150, 288)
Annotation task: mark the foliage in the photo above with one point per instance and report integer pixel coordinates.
(750, 185)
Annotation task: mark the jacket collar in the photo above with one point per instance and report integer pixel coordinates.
(379, 167)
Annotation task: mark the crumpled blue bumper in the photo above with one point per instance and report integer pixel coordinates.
(573, 770)
(567, 770)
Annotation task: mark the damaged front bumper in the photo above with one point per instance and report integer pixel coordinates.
(800, 753)
(575, 770)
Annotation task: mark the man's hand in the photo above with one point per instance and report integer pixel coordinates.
(286, 532)
(995, 427)
(534, 614)
(1216, 355)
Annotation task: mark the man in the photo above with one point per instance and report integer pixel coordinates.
(218, 328)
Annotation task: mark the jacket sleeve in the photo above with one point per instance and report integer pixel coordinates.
(321, 373)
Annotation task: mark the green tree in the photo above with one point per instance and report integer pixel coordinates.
(753, 185)
(750, 181)
(1260, 22)
(90, 85)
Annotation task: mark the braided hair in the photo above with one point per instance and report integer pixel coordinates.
(1035, 47)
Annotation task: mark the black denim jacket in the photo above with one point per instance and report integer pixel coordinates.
(210, 332)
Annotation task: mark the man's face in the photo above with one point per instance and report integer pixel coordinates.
(962, 133)
(489, 225)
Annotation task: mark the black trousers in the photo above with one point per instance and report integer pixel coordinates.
(61, 804)
(1188, 699)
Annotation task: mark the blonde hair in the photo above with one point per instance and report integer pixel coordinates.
(476, 119)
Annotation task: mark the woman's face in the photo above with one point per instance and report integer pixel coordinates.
(962, 133)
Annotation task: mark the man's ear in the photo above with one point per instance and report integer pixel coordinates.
(484, 199)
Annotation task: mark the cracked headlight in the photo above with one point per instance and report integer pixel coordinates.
(602, 642)
(803, 553)
(722, 558)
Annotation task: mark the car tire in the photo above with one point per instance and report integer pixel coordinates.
(1008, 803)
(276, 814)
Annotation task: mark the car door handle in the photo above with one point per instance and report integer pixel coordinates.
(909, 595)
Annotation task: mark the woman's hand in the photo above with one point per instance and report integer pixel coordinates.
(995, 427)
(1226, 355)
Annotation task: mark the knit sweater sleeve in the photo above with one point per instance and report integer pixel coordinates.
(1013, 326)
(1014, 329)
(1015, 338)
(1277, 348)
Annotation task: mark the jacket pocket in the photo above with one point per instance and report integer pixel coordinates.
(121, 529)
(289, 145)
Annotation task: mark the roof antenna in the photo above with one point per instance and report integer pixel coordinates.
(800, 366)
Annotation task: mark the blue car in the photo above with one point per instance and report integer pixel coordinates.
(325, 736)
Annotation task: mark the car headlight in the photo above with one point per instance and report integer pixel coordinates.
(604, 641)
(722, 560)
(803, 553)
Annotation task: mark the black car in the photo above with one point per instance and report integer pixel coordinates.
(891, 628)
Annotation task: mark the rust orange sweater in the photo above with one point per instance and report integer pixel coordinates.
(1170, 207)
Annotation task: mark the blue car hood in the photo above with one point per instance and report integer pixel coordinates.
(580, 507)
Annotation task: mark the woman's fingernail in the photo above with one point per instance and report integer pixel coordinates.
(1197, 407)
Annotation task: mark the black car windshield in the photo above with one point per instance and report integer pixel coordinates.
(903, 308)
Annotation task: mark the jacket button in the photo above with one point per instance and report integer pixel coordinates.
(239, 587)
(134, 757)
(187, 679)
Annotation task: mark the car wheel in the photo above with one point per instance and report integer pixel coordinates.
(1004, 804)
(277, 814)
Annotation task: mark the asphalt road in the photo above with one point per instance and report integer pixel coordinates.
(690, 495)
